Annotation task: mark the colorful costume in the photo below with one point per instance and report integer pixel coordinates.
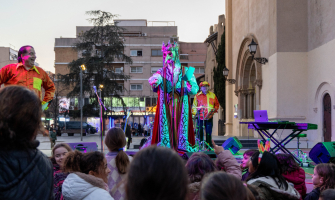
(34, 79)
(59, 177)
(173, 127)
(211, 104)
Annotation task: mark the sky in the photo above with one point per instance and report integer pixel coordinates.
(39, 22)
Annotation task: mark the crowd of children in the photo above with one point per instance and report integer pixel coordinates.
(153, 173)
(160, 173)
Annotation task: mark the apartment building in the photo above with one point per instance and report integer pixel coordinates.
(7, 56)
(143, 44)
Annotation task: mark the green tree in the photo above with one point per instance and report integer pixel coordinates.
(99, 48)
(219, 80)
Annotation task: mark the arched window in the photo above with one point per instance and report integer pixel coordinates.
(248, 81)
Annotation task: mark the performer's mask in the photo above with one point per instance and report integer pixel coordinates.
(204, 89)
(170, 53)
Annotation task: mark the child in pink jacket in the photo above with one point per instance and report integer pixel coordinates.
(226, 161)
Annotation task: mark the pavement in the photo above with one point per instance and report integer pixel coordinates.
(45, 147)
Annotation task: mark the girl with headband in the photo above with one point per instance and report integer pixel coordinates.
(266, 176)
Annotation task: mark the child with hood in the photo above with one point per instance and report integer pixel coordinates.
(88, 176)
(292, 172)
(266, 177)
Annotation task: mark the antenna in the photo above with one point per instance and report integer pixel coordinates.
(10, 45)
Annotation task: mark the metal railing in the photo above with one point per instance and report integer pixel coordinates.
(160, 23)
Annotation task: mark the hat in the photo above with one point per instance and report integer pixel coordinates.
(204, 83)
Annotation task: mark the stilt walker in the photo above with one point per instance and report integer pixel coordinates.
(173, 126)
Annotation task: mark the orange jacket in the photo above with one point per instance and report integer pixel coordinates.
(34, 79)
(209, 100)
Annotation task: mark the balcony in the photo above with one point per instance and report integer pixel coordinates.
(183, 56)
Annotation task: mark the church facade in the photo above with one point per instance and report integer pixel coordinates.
(297, 38)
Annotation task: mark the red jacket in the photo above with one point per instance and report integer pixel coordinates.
(34, 79)
(298, 179)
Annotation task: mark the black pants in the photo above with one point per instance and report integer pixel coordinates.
(129, 140)
(52, 142)
(208, 127)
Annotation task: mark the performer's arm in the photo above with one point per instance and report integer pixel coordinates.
(192, 86)
(195, 105)
(49, 88)
(216, 104)
(156, 79)
(4, 75)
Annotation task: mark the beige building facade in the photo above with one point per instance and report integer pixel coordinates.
(212, 42)
(143, 44)
(297, 38)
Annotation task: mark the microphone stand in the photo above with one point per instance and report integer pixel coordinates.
(203, 128)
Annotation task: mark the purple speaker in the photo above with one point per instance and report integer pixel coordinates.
(84, 147)
(323, 152)
(232, 144)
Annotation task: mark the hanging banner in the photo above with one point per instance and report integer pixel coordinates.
(64, 105)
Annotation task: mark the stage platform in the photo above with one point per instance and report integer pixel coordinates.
(247, 142)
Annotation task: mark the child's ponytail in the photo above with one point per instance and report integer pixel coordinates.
(122, 162)
(115, 141)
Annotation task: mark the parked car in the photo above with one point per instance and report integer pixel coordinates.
(74, 127)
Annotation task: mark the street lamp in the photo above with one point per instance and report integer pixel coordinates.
(225, 75)
(225, 72)
(252, 49)
(83, 68)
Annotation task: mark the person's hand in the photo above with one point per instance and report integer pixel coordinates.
(217, 149)
(44, 106)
